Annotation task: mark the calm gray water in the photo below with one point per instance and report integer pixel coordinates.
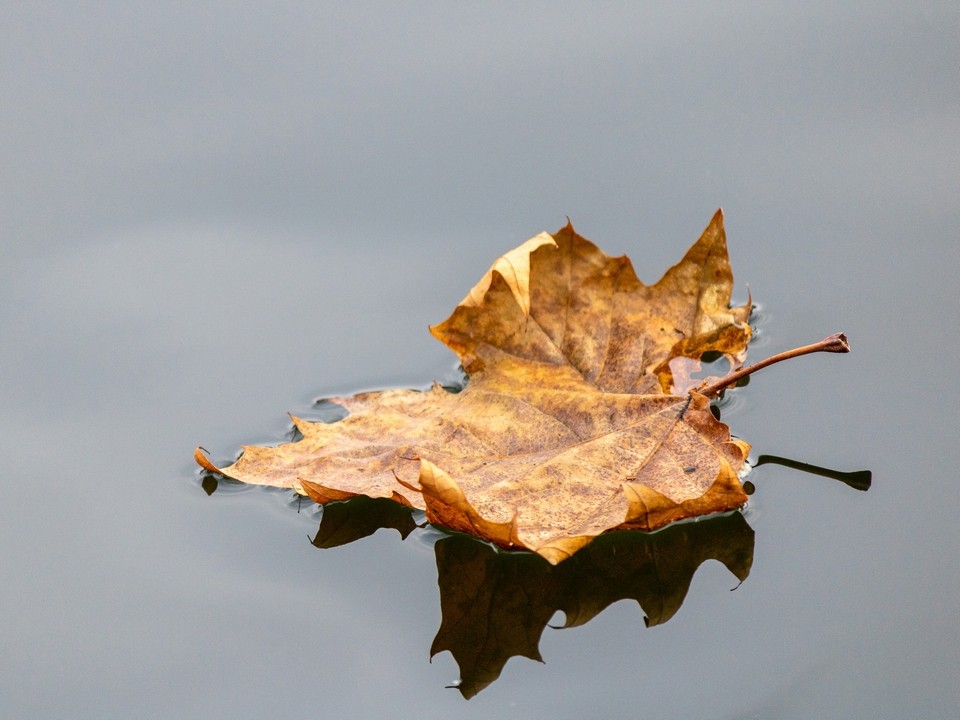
(211, 217)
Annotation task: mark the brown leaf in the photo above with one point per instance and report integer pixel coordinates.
(566, 428)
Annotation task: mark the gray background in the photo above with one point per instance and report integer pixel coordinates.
(212, 214)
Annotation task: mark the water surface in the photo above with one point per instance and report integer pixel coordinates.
(214, 218)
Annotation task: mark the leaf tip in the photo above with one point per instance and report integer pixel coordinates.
(199, 455)
(837, 343)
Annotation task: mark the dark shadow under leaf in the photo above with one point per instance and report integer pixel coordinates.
(344, 522)
(858, 480)
(495, 605)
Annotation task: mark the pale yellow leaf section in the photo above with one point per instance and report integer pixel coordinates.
(514, 267)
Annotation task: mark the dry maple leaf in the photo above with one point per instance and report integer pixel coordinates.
(567, 426)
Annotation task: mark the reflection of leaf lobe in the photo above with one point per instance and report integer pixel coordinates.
(495, 605)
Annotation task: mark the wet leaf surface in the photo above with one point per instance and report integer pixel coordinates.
(570, 424)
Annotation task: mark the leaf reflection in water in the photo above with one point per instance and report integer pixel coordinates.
(344, 522)
(495, 604)
(858, 480)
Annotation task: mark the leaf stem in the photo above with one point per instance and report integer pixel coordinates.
(836, 343)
